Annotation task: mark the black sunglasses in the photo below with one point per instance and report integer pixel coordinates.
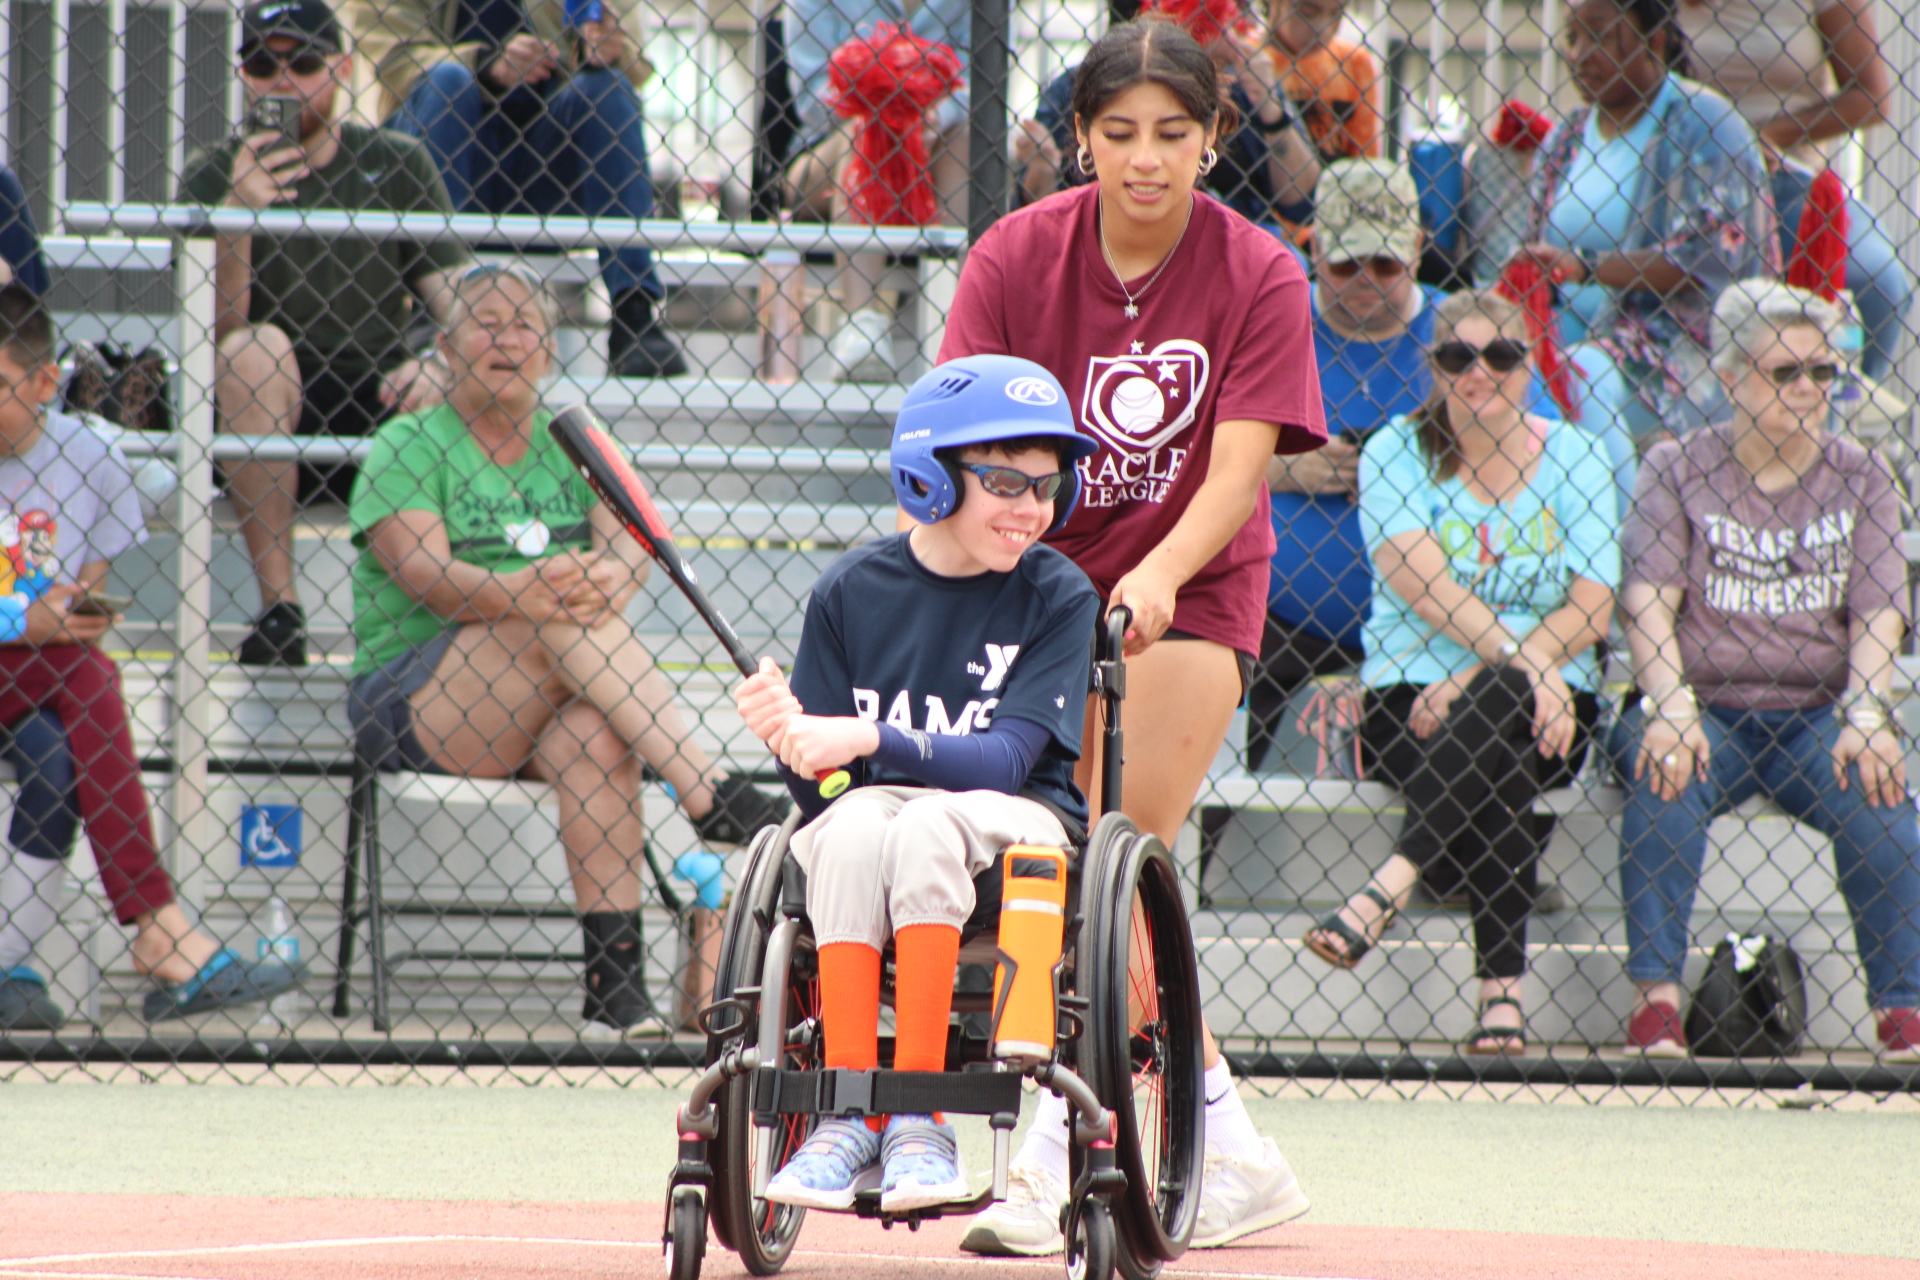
(265, 64)
(1005, 482)
(1503, 355)
(1379, 266)
(1786, 374)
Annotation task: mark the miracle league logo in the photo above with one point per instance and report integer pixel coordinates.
(1136, 404)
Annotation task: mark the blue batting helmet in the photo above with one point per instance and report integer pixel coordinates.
(977, 400)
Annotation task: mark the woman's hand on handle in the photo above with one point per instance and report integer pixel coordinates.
(1149, 595)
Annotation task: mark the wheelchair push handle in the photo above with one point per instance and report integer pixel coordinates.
(1110, 678)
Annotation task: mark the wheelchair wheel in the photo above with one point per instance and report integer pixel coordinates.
(1141, 1049)
(1090, 1254)
(689, 1243)
(761, 1233)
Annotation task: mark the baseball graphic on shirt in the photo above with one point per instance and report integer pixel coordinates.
(529, 538)
(1138, 407)
(1137, 403)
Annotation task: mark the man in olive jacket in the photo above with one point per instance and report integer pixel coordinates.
(531, 106)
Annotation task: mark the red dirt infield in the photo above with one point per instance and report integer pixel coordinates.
(144, 1237)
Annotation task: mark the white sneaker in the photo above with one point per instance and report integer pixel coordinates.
(1239, 1197)
(1025, 1224)
(863, 349)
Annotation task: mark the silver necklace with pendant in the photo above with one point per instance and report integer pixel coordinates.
(1133, 303)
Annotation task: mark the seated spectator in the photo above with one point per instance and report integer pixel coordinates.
(1647, 202)
(19, 239)
(311, 329)
(1805, 73)
(1765, 601)
(1373, 326)
(533, 107)
(1266, 168)
(861, 349)
(489, 599)
(71, 507)
(1496, 570)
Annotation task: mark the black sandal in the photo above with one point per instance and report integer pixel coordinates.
(1357, 943)
(1507, 1040)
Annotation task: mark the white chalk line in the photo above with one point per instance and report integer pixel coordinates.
(20, 1267)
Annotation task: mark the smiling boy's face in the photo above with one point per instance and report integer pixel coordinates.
(991, 533)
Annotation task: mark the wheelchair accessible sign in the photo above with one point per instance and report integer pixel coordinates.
(270, 835)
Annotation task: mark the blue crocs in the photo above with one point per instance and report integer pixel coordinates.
(921, 1162)
(222, 982)
(840, 1157)
(24, 1003)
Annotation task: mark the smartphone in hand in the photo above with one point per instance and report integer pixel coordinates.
(279, 115)
(100, 606)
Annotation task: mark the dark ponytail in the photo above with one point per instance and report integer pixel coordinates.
(1152, 50)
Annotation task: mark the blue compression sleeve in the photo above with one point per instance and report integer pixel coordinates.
(997, 760)
(13, 616)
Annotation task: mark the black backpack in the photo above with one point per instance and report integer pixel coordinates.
(1751, 1002)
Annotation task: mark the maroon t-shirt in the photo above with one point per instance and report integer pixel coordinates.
(1224, 334)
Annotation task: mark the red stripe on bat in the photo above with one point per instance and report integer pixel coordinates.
(635, 491)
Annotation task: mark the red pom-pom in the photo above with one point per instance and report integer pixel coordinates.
(1526, 283)
(1520, 127)
(1819, 260)
(1207, 21)
(887, 81)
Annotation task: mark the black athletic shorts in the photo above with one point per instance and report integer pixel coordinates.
(335, 403)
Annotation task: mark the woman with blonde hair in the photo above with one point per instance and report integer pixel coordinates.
(1491, 531)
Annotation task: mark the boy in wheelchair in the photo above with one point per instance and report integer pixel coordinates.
(945, 669)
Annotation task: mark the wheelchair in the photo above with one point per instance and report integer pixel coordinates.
(1126, 1056)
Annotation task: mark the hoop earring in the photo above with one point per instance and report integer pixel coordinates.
(1084, 158)
(1207, 161)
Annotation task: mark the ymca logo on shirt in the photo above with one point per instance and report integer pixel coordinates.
(1136, 404)
(1753, 570)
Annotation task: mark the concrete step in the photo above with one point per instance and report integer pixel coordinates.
(1418, 985)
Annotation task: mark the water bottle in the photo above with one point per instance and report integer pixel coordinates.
(1033, 917)
(278, 940)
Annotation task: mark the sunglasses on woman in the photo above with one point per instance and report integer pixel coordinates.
(265, 64)
(1380, 267)
(1503, 355)
(1783, 375)
(1005, 482)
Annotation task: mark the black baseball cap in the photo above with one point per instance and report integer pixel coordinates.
(309, 21)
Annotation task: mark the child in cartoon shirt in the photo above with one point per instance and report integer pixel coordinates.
(957, 707)
(68, 506)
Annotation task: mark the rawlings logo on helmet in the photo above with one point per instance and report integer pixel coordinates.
(1033, 391)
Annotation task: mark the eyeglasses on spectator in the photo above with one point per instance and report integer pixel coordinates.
(1502, 355)
(265, 64)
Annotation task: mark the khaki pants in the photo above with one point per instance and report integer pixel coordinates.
(883, 858)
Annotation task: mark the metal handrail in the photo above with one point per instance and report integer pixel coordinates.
(523, 231)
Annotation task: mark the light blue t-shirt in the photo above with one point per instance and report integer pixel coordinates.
(1595, 210)
(1518, 557)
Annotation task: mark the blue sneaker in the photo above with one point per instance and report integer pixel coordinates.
(24, 1003)
(840, 1157)
(921, 1160)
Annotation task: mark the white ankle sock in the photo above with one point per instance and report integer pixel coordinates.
(1046, 1141)
(1230, 1129)
(29, 905)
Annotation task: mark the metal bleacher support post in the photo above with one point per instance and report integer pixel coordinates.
(192, 662)
(987, 177)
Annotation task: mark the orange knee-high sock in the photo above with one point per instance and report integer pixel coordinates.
(926, 956)
(850, 1004)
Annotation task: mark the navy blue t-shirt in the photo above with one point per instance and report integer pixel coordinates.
(886, 639)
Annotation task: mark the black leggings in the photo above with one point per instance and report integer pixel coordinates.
(1469, 792)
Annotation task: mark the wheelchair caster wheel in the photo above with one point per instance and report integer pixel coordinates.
(688, 1244)
(1090, 1250)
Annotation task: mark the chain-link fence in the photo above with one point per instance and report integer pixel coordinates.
(403, 762)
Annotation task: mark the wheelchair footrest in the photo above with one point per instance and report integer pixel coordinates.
(839, 1092)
